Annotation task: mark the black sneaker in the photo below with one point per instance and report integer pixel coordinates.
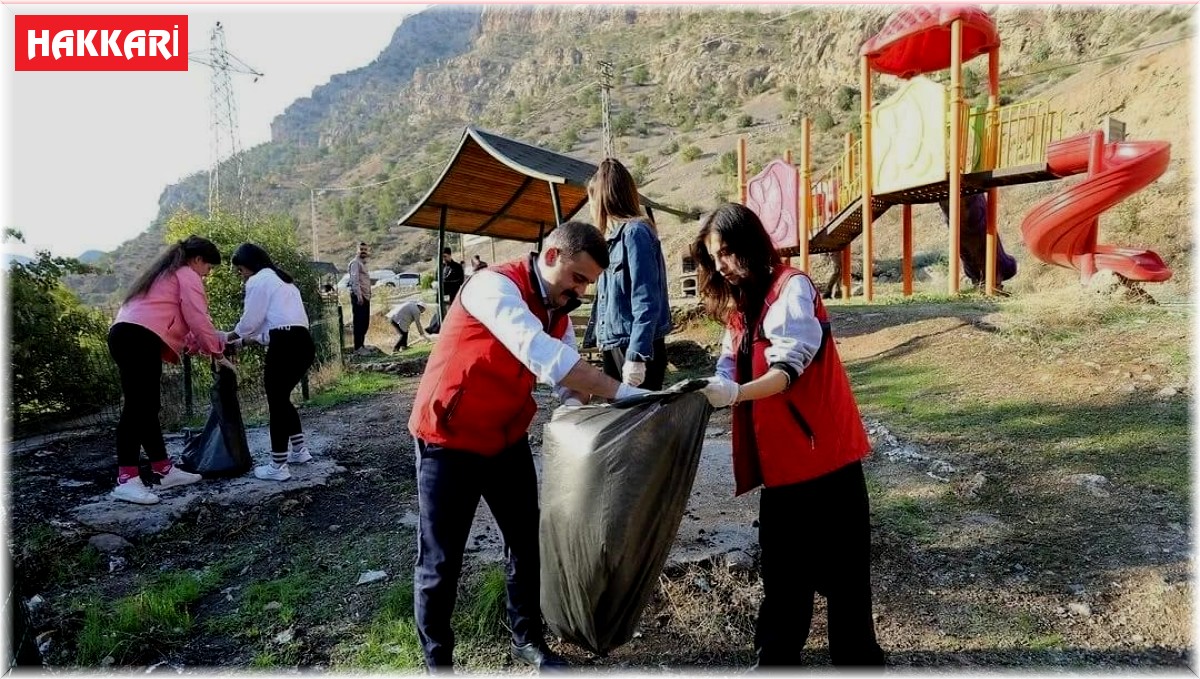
(538, 656)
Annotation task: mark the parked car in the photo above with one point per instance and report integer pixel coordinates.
(378, 277)
(404, 279)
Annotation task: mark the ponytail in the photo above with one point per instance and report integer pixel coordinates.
(175, 256)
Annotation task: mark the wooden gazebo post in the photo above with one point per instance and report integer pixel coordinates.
(955, 169)
(438, 262)
(991, 150)
(865, 173)
(804, 223)
(907, 247)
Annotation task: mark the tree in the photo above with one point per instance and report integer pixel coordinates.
(59, 362)
(641, 75)
(845, 97)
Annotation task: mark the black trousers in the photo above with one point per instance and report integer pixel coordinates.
(401, 343)
(290, 354)
(816, 537)
(361, 313)
(449, 485)
(137, 352)
(656, 369)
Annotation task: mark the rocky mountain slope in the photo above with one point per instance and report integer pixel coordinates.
(689, 82)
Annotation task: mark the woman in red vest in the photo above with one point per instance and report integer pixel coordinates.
(796, 432)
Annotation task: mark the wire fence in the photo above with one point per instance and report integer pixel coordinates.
(184, 387)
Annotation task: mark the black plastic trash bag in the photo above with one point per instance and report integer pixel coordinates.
(220, 450)
(435, 324)
(615, 482)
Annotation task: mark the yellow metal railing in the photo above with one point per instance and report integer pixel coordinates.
(1025, 131)
(837, 187)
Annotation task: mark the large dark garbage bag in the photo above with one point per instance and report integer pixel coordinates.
(220, 450)
(615, 482)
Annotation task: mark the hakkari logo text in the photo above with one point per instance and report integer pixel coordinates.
(115, 42)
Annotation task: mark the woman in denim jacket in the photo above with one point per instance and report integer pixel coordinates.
(631, 315)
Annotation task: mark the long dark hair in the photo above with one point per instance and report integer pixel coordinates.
(256, 259)
(613, 193)
(174, 257)
(743, 234)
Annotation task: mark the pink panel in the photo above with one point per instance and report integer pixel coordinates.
(771, 194)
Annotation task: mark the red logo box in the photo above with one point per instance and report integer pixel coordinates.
(101, 42)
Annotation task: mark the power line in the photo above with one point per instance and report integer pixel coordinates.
(1094, 59)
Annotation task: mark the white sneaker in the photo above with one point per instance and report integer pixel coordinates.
(178, 477)
(269, 472)
(299, 456)
(134, 491)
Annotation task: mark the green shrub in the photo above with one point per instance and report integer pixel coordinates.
(58, 357)
(745, 120)
(690, 153)
(845, 98)
(823, 120)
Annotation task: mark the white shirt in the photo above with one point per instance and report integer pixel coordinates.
(496, 302)
(405, 314)
(791, 326)
(270, 303)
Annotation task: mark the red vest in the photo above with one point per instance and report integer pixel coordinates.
(475, 395)
(808, 430)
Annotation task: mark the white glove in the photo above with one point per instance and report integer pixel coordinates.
(572, 402)
(224, 336)
(634, 373)
(625, 391)
(720, 392)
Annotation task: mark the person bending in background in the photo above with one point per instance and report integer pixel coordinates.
(273, 315)
(165, 313)
(796, 432)
(403, 316)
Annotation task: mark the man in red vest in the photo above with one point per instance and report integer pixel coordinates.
(508, 329)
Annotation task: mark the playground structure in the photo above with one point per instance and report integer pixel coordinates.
(925, 145)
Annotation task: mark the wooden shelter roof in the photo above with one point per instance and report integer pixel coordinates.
(499, 187)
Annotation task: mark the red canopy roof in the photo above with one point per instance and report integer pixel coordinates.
(916, 40)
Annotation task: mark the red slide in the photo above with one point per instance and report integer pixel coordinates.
(1061, 229)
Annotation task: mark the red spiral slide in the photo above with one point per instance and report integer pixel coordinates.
(1061, 229)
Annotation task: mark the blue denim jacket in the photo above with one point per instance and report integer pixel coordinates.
(632, 309)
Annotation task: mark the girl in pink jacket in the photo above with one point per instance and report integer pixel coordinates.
(165, 313)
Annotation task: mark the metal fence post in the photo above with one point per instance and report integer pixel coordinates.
(341, 333)
(187, 385)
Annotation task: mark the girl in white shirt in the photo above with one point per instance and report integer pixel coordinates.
(273, 315)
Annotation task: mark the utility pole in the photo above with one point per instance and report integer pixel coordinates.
(606, 76)
(312, 206)
(224, 115)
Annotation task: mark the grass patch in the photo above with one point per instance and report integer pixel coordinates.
(391, 643)
(351, 386)
(1073, 317)
(149, 621)
(1134, 440)
(902, 516)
